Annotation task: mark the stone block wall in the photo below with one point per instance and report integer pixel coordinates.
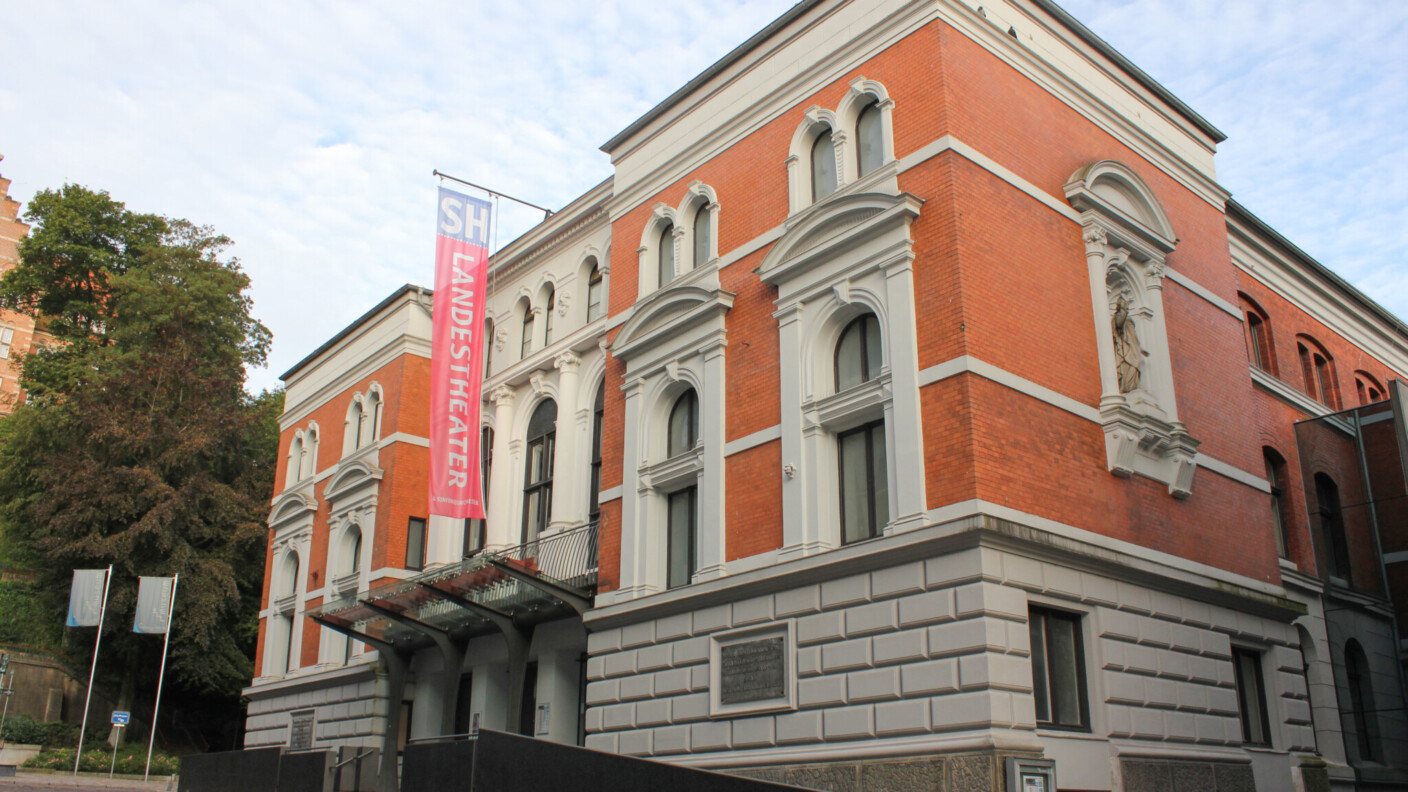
(345, 712)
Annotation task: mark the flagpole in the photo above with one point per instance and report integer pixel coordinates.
(97, 643)
(170, 611)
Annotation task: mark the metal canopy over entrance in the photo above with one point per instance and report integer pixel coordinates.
(510, 591)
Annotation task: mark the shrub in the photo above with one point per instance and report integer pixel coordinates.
(131, 760)
(25, 730)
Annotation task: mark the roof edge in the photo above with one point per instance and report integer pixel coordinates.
(1237, 211)
(348, 330)
(1103, 47)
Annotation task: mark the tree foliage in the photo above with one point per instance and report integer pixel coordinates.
(137, 445)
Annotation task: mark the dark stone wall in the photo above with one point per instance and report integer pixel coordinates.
(1177, 775)
(978, 772)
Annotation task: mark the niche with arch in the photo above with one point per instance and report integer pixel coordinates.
(1127, 237)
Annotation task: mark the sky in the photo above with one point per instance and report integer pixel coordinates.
(307, 131)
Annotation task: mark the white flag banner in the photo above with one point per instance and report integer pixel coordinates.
(85, 600)
(153, 606)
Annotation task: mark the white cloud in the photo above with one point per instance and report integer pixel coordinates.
(307, 131)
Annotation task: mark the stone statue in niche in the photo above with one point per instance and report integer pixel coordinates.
(1129, 356)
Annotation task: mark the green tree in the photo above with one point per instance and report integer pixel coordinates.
(137, 445)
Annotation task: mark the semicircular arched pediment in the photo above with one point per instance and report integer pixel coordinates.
(839, 224)
(669, 311)
(1111, 189)
(289, 507)
(350, 476)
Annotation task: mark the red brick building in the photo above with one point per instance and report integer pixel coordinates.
(912, 403)
(16, 329)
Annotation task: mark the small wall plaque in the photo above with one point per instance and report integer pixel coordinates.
(300, 730)
(752, 670)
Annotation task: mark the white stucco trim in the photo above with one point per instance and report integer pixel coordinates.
(753, 440)
(609, 494)
(971, 365)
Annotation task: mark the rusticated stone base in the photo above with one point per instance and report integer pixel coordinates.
(1177, 775)
(981, 772)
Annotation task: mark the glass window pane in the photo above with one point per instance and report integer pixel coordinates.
(1039, 668)
(850, 370)
(879, 479)
(527, 335)
(868, 134)
(415, 544)
(547, 319)
(680, 538)
(667, 255)
(701, 237)
(535, 462)
(594, 295)
(1065, 677)
(855, 490)
(874, 357)
(823, 166)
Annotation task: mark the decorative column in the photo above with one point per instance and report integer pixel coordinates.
(904, 417)
(794, 492)
(636, 540)
(497, 527)
(711, 536)
(565, 511)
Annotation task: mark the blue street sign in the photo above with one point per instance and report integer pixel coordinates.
(120, 718)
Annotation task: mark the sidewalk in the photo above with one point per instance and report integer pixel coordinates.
(26, 781)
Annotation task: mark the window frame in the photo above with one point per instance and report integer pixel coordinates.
(702, 237)
(1254, 656)
(1277, 478)
(1082, 691)
(476, 530)
(665, 257)
(525, 344)
(874, 527)
(594, 481)
(689, 401)
(690, 537)
(873, 113)
(542, 485)
(596, 292)
(416, 535)
(818, 174)
(547, 316)
(864, 324)
(1332, 528)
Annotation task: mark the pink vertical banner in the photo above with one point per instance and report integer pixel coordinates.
(457, 354)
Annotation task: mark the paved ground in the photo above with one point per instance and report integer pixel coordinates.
(56, 782)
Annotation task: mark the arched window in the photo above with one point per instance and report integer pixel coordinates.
(1327, 499)
(1276, 477)
(666, 257)
(526, 348)
(288, 585)
(858, 354)
(598, 415)
(684, 424)
(1361, 701)
(823, 166)
(1259, 346)
(870, 145)
(295, 461)
(352, 434)
(537, 479)
(701, 237)
(595, 294)
(1369, 389)
(547, 317)
(285, 648)
(1318, 368)
(371, 416)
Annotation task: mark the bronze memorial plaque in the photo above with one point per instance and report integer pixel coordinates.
(753, 671)
(300, 737)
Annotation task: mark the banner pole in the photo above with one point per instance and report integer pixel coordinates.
(170, 611)
(97, 643)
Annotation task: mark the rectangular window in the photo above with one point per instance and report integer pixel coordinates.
(1058, 670)
(415, 544)
(681, 537)
(526, 714)
(865, 491)
(1251, 697)
(7, 337)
